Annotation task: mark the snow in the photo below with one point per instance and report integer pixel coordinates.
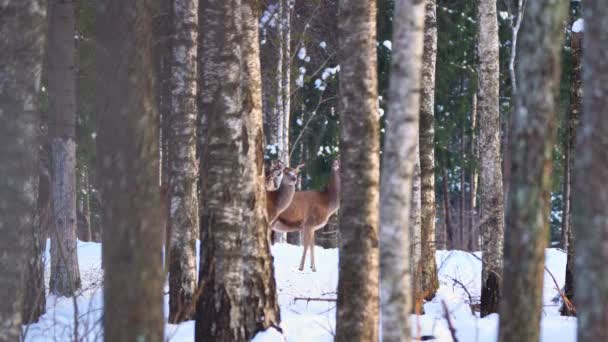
(304, 320)
(323, 45)
(388, 44)
(302, 53)
(270, 335)
(578, 25)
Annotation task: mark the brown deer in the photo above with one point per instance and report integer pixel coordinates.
(310, 211)
(274, 175)
(277, 201)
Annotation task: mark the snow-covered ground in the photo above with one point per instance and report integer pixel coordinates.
(315, 320)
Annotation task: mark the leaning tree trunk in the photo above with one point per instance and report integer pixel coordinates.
(183, 197)
(538, 76)
(399, 159)
(22, 28)
(239, 298)
(357, 317)
(128, 148)
(430, 282)
(576, 92)
(590, 213)
(65, 275)
(491, 196)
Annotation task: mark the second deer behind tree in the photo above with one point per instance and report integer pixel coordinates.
(310, 211)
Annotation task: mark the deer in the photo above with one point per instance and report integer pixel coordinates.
(274, 175)
(309, 211)
(278, 200)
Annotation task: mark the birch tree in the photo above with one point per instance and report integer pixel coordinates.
(65, 275)
(183, 198)
(491, 196)
(415, 231)
(129, 173)
(399, 160)
(357, 316)
(236, 278)
(430, 282)
(590, 211)
(23, 32)
(538, 76)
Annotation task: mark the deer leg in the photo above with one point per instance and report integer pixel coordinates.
(304, 253)
(312, 251)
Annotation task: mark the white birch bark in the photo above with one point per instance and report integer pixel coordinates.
(399, 159)
(490, 175)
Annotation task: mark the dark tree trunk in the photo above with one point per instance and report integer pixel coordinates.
(22, 28)
(182, 195)
(533, 135)
(34, 300)
(239, 299)
(590, 213)
(357, 316)
(449, 233)
(65, 275)
(83, 209)
(473, 242)
(128, 149)
(464, 233)
(569, 149)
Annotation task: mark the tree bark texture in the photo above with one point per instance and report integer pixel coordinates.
(65, 275)
(430, 282)
(357, 316)
(576, 96)
(400, 172)
(590, 215)
(236, 280)
(491, 196)
(415, 228)
(22, 28)
(538, 76)
(183, 196)
(34, 299)
(129, 169)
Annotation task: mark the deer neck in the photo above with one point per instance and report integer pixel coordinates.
(285, 194)
(333, 190)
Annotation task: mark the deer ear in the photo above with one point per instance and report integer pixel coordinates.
(300, 167)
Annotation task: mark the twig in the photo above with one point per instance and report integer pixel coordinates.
(567, 301)
(312, 299)
(458, 282)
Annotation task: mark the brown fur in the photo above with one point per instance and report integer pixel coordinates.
(310, 211)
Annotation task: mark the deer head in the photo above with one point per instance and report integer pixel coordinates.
(290, 175)
(274, 175)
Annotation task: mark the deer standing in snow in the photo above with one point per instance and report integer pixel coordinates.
(310, 211)
(278, 200)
